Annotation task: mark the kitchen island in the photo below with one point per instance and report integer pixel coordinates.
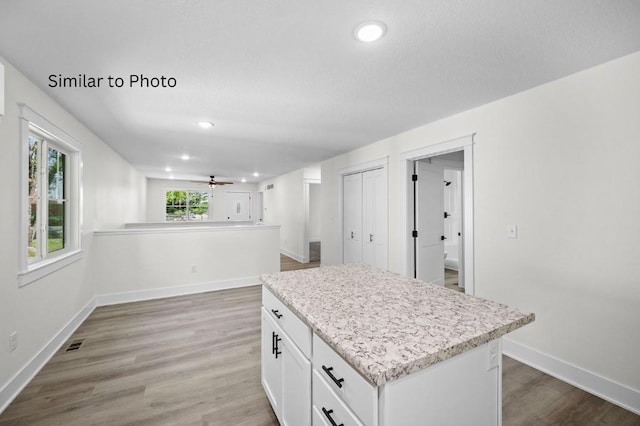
(352, 344)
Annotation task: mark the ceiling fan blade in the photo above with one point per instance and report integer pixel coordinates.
(224, 183)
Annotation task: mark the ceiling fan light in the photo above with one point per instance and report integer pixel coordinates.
(205, 124)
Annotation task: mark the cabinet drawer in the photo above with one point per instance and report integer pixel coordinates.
(346, 382)
(297, 330)
(327, 405)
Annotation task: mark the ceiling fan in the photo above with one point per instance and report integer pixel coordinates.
(213, 182)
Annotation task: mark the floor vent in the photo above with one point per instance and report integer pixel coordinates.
(74, 346)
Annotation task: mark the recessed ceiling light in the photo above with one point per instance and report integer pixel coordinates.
(205, 124)
(185, 157)
(167, 169)
(243, 180)
(256, 174)
(370, 31)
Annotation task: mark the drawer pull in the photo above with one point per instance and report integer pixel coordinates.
(327, 413)
(276, 313)
(276, 350)
(337, 381)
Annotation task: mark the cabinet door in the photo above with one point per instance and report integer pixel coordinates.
(296, 385)
(374, 218)
(352, 219)
(272, 366)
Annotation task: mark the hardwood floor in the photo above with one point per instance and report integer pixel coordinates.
(190, 360)
(289, 264)
(451, 280)
(195, 360)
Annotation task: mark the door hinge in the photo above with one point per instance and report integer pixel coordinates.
(415, 234)
(414, 178)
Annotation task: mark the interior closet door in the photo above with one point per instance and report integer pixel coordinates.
(430, 223)
(374, 212)
(352, 220)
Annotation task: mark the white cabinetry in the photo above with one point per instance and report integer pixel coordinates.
(365, 227)
(286, 370)
(308, 383)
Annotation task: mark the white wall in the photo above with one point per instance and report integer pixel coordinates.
(314, 211)
(561, 162)
(114, 193)
(157, 188)
(146, 263)
(284, 206)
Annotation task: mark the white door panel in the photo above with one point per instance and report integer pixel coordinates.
(375, 224)
(238, 205)
(352, 190)
(430, 223)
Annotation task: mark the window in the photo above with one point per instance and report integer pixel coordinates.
(48, 207)
(50, 226)
(187, 205)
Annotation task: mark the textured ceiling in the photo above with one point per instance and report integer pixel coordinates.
(284, 81)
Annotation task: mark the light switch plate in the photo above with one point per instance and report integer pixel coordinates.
(512, 231)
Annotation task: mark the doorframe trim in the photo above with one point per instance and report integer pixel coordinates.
(305, 231)
(465, 144)
(378, 163)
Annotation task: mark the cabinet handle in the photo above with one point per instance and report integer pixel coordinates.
(276, 313)
(329, 370)
(370, 238)
(352, 235)
(327, 413)
(273, 342)
(276, 349)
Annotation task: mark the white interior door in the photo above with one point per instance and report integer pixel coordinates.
(461, 276)
(238, 205)
(430, 223)
(374, 218)
(352, 229)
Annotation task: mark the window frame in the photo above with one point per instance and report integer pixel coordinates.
(209, 197)
(33, 124)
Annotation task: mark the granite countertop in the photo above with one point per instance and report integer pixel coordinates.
(387, 325)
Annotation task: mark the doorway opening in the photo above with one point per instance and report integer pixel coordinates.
(440, 214)
(311, 245)
(439, 241)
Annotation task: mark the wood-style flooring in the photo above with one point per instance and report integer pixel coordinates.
(195, 360)
(451, 280)
(289, 264)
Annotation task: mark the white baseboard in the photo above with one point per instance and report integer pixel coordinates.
(602, 387)
(300, 258)
(22, 378)
(160, 293)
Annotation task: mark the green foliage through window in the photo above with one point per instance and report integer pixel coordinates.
(187, 205)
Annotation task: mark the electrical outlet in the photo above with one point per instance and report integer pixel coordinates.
(494, 355)
(13, 341)
(512, 231)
